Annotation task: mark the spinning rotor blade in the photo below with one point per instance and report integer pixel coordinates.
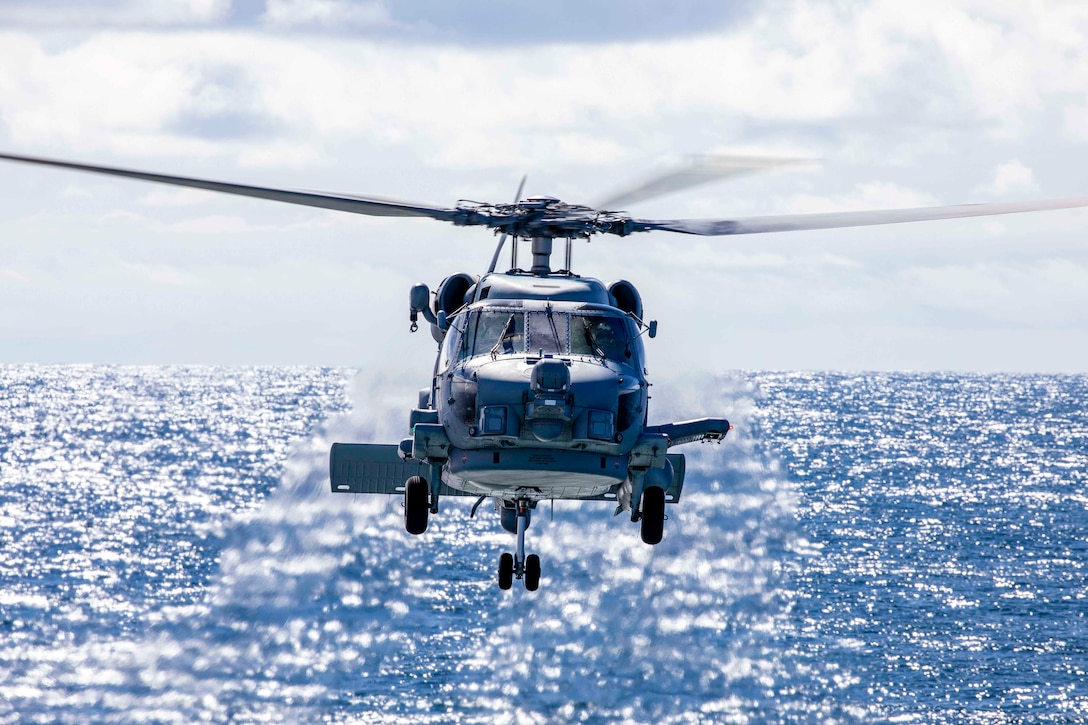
(556, 220)
(838, 220)
(372, 206)
(696, 171)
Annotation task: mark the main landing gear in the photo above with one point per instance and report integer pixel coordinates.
(417, 505)
(653, 515)
(516, 518)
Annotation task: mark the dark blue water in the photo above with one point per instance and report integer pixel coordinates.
(864, 547)
(951, 513)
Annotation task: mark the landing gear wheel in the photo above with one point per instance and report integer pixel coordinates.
(532, 572)
(417, 505)
(506, 571)
(653, 515)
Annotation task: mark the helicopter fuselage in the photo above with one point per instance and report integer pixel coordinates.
(539, 388)
(539, 392)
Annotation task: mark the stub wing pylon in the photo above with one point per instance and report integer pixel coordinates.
(690, 431)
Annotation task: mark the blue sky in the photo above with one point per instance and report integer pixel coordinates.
(938, 103)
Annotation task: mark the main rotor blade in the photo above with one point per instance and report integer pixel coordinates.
(695, 171)
(838, 220)
(372, 206)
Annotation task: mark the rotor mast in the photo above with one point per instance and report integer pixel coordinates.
(542, 248)
(542, 253)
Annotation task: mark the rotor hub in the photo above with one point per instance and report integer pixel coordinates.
(542, 217)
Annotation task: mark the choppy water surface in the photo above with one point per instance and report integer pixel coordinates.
(864, 547)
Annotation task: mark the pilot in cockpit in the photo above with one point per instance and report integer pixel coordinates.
(602, 336)
(513, 338)
(499, 334)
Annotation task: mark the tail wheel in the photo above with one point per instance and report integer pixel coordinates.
(532, 572)
(506, 571)
(653, 515)
(417, 505)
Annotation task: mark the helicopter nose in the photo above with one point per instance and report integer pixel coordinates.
(549, 411)
(550, 376)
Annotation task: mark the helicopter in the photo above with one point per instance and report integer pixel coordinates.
(539, 389)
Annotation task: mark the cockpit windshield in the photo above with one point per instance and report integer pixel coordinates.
(548, 332)
(599, 335)
(505, 332)
(495, 333)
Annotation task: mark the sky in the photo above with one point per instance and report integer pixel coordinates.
(901, 105)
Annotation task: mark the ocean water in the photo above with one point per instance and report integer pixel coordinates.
(880, 547)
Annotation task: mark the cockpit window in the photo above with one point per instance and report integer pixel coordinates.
(495, 333)
(599, 335)
(548, 332)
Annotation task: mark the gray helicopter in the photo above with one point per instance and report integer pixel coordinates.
(539, 390)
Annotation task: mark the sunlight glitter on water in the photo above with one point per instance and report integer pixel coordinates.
(899, 547)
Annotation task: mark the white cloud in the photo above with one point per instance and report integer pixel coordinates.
(163, 274)
(281, 155)
(127, 92)
(124, 91)
(867, 195)
(227, 224)
(12, 275)
(76, 191)
(333, 14)
(112, 13)
(713, 256)
(1010, 178)
(1045, 293)
(171, 196)
(122, 215)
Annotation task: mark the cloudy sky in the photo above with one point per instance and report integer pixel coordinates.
(903, 105)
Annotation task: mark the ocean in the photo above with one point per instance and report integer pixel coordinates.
(891, 547)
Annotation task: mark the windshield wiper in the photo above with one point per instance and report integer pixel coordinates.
(462, 344)
(506, 332)
(555, 331)
(592, 340)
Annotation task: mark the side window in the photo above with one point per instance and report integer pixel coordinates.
(452, 348)
(468, 336)
(637, 347)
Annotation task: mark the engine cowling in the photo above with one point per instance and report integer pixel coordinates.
(626, 297)
(452, 293)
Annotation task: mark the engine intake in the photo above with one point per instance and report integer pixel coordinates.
(627, 297)
(452, 293)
